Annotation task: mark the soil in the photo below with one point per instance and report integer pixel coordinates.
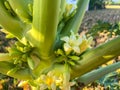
(106, 15)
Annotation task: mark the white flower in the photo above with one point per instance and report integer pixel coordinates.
(50, 81)
(72, 43)
(76, 43)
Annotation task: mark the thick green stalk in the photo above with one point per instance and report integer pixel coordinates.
(44, 26)
(43, 32)
(98, 73)
(23, 74)
(96, 57)
(75, 22)
(10, 23)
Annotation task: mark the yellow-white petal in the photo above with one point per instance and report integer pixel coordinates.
(66, 39)
(84, 37)
(72, 37)
(67, 48)
(76, 49)
(43, 86)
(90, 39)
(78, 41)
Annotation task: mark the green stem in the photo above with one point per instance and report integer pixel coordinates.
(10, 23)
(5, 57)
(66, 76)
(98, 73)
(23, 74)
(42, 66)
(20, 7)
(5, 66)
(96, 57)
(44, 28)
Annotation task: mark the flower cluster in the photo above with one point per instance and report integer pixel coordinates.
(52, 81)
(76, 43)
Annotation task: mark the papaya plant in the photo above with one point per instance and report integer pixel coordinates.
(49, 54)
